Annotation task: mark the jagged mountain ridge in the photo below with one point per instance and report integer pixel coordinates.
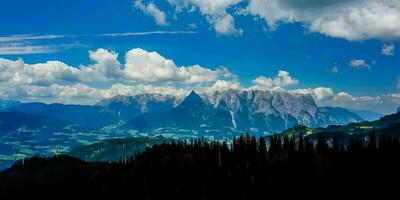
(252, 110)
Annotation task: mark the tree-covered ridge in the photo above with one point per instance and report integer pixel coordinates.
(245, 169)
(115, 149)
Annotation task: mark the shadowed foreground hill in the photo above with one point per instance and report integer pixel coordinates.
(202, 170)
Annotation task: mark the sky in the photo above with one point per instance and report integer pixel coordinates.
(342, 52)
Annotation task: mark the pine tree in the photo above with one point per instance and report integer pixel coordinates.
(300, 147)
(322, 146)
(335, 144)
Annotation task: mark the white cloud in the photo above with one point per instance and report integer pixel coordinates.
(141, 65)
(24, 48)
(24, 37)
(152, 10)
(388, 49)
(220, 85)
(106, 66)
(325, 96)
(215, 11)
(348, 19)
(150, 66)
(282, 80)
(31, 44)
(319, 93)
(323, 93)
(359, 64)
(126, 34)
(353, 20)
(225, 24)
(142, 72)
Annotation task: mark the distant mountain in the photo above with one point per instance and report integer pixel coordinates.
(93, 117)
(11, 122)
(4, 104)
(109, 112)
(233, 110)
(128, 107)
(337, 116)
(388, 125)
(367, 114)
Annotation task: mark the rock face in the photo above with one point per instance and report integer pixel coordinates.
(253, 110)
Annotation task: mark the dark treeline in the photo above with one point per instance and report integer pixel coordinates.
(245, 169)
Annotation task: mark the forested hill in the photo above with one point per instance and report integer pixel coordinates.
(203, 170)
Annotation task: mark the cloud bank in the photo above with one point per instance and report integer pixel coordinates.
(149, 72)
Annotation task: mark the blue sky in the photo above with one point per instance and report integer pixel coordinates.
(246, 37)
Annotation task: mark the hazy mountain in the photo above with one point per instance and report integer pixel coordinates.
(254, 111)
(4, 104)
(109, 112)
(128, 107)
(11, 122)
(337, 116)
(367, 114)
(94, 117)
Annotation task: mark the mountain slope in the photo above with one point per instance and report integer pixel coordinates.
(367, 114)
(389, 125)
(190, 113)
(337, 116)
(4, 104)
(19, 121)
(94, 117)
(114, 149)
(128, 107)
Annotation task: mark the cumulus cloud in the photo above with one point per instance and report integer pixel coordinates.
(142, 72)
(325, 96)
(278, 83)
(221, 85)
(152, 10)
(359, 64)
(141, 65)
(319, 93)
(150, 72)
(388, 49)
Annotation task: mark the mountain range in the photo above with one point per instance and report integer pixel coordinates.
(258, 112)
(251, 111)
(39, 128)
(116, 149)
